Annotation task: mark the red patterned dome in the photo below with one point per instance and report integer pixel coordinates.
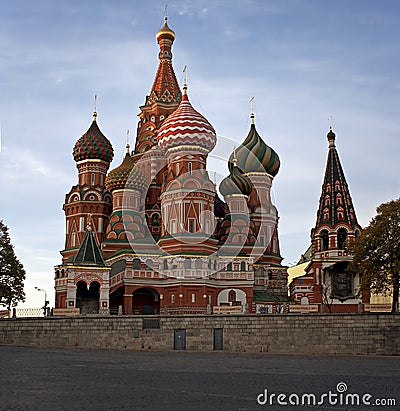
(186, 126)
(93, 145)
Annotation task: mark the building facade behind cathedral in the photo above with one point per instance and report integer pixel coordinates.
(153, 235)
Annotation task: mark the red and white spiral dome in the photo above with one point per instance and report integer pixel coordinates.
(186, 127)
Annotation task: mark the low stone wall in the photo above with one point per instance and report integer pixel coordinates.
(329, 334)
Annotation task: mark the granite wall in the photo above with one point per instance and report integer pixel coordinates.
(326, 334)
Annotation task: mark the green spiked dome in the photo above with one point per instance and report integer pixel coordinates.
(93, 145)
(235, 183)
(253, 155)
(125, 176)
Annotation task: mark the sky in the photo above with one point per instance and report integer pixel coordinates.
(303, 61)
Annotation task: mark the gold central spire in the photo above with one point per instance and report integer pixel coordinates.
(165, 32)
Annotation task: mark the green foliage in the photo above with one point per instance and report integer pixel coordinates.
(12, 273)
(377, 252)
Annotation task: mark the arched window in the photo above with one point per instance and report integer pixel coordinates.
(155, 219)
(242, 266)
(229, 267)
(341, 238)
(136, 264)
(232, 296)
(190, 169)
(324, 244)
(92, 179)
(327, 201)
(149, 263)
(304, 301)
(165, 265)
(197, 263)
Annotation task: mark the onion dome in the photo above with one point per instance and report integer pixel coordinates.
(125, 176)
(93, 145)
(253, 155)
(165, 32)
(186, 126)
(331, 136)
(235, 183)
(219, 207)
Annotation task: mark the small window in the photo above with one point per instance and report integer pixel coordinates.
(324, 236)
(232, 296)
(242, 266)
(341, 238)
(193, 298)
(92, 179)
(73, 239)
(229, 267)
(190, 169)
(192, 225)
(173, 226)
(172, 298)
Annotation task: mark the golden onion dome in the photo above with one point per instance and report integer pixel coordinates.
(126, 176)
(165, 32)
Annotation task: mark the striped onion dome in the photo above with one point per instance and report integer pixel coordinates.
(186, 126)
(126, 176)
(235, 183)
(253, 155)
(93, 145)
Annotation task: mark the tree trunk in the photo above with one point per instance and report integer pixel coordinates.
(395, 300)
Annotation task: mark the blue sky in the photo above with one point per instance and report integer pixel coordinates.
(302, 60)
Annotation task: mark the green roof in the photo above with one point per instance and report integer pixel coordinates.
(89, 252)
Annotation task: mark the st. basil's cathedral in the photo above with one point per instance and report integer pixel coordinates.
(153, 235)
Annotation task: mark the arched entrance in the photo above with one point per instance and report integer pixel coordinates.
(88, 299)
(145, 301)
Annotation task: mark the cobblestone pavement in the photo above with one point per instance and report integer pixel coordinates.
(68, 379)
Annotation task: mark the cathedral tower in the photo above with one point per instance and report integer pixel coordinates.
(333, 286)
(187, 200)
(165, 94)
(93, 154)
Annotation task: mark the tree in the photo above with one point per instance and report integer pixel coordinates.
(12, 273)
(377, 253)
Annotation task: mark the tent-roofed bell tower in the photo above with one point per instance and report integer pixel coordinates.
(336, 224)
(164, 97)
